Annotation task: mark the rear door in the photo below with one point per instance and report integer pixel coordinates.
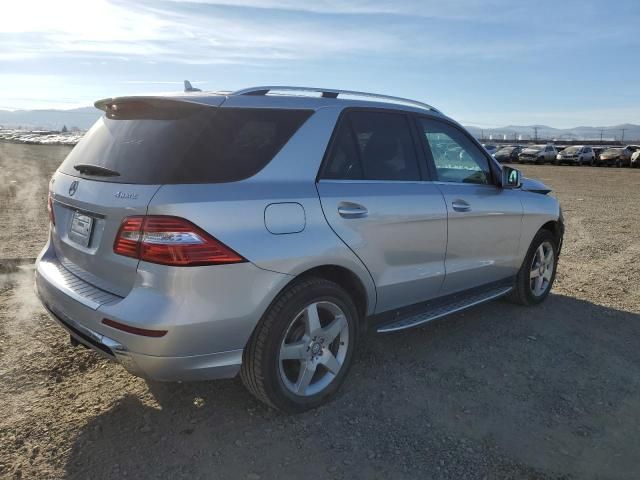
(376, 199)
(484, 220)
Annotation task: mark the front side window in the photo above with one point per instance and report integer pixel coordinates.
(456, 158)
(372, 146)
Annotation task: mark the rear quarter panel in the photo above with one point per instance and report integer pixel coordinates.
(235, 214)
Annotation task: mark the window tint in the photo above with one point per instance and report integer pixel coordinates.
(163, 142)
(456, 157)
(344, 160)
(373, 146)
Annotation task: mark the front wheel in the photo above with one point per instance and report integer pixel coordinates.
(538, 271)
(302, 349)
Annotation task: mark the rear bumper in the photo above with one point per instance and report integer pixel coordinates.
(207, 328)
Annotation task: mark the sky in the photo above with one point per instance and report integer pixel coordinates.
(487, 63)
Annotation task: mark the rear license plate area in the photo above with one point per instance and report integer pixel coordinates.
(81, 228)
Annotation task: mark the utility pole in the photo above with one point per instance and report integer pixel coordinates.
(482, 135)
(601, 131)
(535, 129)
(622, 138)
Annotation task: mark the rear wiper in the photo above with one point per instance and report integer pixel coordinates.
(97, 170)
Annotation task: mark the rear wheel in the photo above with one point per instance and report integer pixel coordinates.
(538, 271)
(302, 348)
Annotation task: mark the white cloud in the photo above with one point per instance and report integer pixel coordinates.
(164, 32)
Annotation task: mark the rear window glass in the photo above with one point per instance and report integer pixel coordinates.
(176, 142)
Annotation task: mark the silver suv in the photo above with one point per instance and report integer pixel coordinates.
(262, 232)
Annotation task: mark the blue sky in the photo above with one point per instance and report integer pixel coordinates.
(488, 63)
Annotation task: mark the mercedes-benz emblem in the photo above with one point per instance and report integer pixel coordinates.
(73, 188)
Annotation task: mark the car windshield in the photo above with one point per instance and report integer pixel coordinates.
(506, 150)
(613, 150)
(571, 150)
(536, 147)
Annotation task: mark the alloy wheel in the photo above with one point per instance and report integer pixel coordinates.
(314, 348)
(542, 267)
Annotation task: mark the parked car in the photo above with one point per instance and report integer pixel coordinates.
(635, 159)
(538, 154)
(490, 148)
(508, 154)
(611, 157)
(203, 235)
(627, 153)
(576, 155)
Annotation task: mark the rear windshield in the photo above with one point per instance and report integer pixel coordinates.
(178, 142)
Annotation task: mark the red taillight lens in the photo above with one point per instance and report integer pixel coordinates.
(52, 217)
(128, 239)
(170, 241)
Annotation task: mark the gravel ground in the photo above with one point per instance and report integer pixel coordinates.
(497, 392)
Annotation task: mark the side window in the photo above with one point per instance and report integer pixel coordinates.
(373, 146)
(343, 161)
(456, 157)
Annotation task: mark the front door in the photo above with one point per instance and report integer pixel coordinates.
(484, 220)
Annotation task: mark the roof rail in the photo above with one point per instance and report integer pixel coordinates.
(333, 93)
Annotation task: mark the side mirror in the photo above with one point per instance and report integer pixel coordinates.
(511, 177)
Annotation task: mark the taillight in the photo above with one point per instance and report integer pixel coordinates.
(52, 217)
(170, 241)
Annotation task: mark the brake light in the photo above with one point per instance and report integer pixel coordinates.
(52, 217)
(170, 241)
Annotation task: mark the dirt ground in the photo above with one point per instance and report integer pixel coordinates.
(499, 392)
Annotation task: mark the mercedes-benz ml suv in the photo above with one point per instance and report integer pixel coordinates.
(262, 232)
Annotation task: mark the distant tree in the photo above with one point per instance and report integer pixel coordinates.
(64, 129)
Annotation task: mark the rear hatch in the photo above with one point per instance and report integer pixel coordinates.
(139, 145)
(113, 173)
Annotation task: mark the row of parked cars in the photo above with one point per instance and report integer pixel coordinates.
(628, 156)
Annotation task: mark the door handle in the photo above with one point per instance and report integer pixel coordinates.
(352, 210)
(461, 206)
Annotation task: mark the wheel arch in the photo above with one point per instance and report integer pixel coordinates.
(556, 227)
(347, 279)
(362, 294)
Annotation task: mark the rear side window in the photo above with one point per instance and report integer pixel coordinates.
(372, 146)
(173, 142)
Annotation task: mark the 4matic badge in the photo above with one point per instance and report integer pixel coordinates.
(132, 196)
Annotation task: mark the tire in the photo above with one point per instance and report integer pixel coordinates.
(540, 161)
(523, 292)
(278, 383)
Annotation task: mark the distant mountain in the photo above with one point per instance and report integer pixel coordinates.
(84, 117)
(81, 118)
(528, 132)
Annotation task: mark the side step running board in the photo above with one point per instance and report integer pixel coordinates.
(442, 308)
